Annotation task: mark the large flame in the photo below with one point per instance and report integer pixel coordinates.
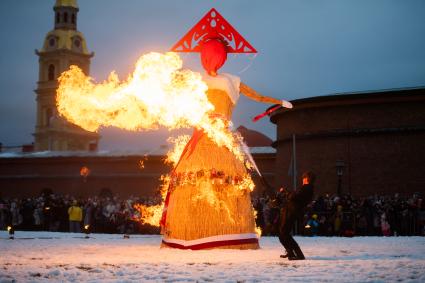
(158, 93)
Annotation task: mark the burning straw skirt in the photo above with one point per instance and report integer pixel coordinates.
(207, 205)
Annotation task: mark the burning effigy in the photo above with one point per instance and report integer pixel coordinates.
(206, 197)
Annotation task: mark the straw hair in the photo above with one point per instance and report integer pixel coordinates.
(208, 208)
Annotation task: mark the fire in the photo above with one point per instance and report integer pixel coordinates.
(165, 179)
(246, 183)
(174, 154)
(149, 214)
(258, 230)
(159, 93)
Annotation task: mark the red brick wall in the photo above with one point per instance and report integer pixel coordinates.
(380, 137)
(122, 175)
(21, 177)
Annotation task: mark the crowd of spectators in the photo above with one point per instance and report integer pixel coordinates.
(331, 215)
(327, 215)
(63, 213)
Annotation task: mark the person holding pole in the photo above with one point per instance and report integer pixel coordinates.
(297, 202)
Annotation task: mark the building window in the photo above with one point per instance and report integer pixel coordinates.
(58, 17)
(51, 74)
(52, 42)
(73, 18)
(49, 115)
(65, 17)
(77, 43)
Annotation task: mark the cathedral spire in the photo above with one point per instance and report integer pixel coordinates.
(66, 14)
(63, 46)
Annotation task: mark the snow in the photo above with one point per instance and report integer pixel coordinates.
(48, 256)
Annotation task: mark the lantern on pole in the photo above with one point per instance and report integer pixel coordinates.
(84, 172)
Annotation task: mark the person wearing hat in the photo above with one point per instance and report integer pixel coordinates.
(297, 202)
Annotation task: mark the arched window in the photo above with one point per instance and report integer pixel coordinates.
(58, 17)
(51, 73)
(52, 42)
(49, 115)
(73, 18)
(65, 17)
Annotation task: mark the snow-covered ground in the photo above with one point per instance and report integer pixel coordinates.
(42, 256)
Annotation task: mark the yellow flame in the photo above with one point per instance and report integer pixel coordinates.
(149, 214)
(165, 179)
(174, 154)
(157, 93)
(246, 183)
(258, 230)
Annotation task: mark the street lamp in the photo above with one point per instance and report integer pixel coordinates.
(339, 165)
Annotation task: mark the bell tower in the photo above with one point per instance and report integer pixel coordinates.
(63, 46)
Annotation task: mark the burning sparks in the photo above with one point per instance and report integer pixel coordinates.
(159, 93)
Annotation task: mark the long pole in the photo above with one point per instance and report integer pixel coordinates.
(294, 162)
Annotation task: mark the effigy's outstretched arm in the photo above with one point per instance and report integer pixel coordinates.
(254, 95)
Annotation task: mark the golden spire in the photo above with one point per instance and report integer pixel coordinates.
(66, 3)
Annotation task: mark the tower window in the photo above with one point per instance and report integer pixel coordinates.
(77, 43)
(49, 115)
(51, 73)
(73, 18)
(65, 17)
(58, 17)
(52, 42)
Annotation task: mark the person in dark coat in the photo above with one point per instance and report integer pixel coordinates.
(294, 209)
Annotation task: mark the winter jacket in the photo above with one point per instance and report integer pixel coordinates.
(75, 213)
(299, 199)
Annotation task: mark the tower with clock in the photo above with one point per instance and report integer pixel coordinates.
(63, 46)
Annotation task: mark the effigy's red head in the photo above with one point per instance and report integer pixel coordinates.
(213, 37)
(213, 55)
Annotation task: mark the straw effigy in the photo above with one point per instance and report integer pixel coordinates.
(207, 208)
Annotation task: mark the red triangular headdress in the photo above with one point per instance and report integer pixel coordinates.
(213, 25)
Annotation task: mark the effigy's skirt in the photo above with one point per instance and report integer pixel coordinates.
(208, 206)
